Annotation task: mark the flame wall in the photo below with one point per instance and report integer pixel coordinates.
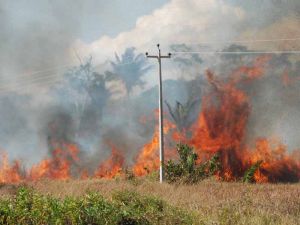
(222, 125)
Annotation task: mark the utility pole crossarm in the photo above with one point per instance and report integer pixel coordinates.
(152, 56)
(161, 119)
(166, 56)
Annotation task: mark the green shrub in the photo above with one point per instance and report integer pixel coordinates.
(29, 207)
(186, 169)
(249, 174)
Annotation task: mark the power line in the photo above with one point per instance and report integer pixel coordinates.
(20, 86)
(37, 80)
(34, 81)
(25, 79)
(204, 42)
(44, 76)
(30, 81)
(235, 53)
(49, 70)
(29, 75)
(249, 41)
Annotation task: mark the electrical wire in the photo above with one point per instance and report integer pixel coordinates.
(248, 41)
(25, 83)
(44, 76)
(20, 86)
(27, 75)
(234, 53)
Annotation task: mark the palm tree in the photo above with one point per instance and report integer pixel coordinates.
(130, 68)
(189, 63)
(182, 114)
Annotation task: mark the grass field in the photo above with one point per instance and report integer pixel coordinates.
(210, 201)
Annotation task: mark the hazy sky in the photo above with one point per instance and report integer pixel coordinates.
(35, 35)
(88, 19)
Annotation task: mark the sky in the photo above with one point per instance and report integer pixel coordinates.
(51, 30)
(88, 20)
(47, 29)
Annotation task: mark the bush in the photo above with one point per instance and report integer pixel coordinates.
(249, 174)
(29, 207)
(186, 169)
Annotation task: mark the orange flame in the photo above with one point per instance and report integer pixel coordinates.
(221, 123)
(112, 166)
(277, 164)
(220, 127)
(9, 173)
(58, 167)
(148, 157)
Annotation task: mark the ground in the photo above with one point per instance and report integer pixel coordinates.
(213, 202)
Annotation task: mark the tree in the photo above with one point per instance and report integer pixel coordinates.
(182, 114)
(130, 68)
(84, 93)
(188, 64)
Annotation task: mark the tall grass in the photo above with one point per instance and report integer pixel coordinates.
(125, 207)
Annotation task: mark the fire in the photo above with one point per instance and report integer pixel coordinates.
(57, 167)
(277, 164)
(9, 173)
(112, 166)
(148, 158)
(252, 72)
(220, 128)
(221, 123)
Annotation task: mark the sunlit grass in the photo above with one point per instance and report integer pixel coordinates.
(209, 201)
(126, 207)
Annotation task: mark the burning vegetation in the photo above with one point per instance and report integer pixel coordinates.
(219, 130)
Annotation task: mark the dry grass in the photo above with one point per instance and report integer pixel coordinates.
(214, 202)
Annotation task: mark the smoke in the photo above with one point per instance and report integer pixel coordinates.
(82, 107)
(36, 35)
(275, 102)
